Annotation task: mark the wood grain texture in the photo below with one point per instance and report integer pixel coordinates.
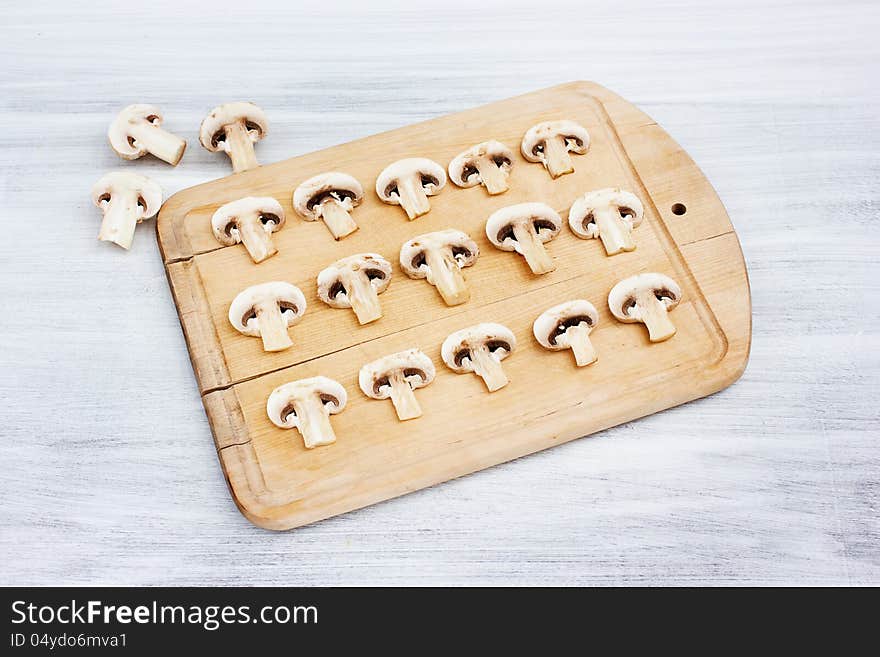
(773, 480)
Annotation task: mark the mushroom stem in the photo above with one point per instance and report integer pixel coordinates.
(240, 147)
(556, 156)
(488, 368)
(363, 297)
(273, 327)
(655, 315)
(159, 142)
(613, 231)
(256, 239)
(494, 177)
(529, 244)
(412, 196)
(314, 422)
(445, 274)
(337, 219)
(578, 338)
(403, 397)
(121, 215)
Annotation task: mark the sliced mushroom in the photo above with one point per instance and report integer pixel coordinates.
(409, 182)
(440, 257)
(330, 196)
(136, 131)
(609, 214)
(480, 349)
(306, 405)
(646, 298)
(398, 376)
(266, 310)
(550, 143)
(568, 326)
(234, 128)
(524, 228)
(126, 199)
(488, 163)
(356, 282)
(250, 221)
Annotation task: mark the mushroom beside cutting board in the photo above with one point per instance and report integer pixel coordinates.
(126, 199)
(646, 298)
(609, 214)
(551, 142)
(568, 326)
(330, 197)
(480, 349)
(306, 405)
(356, 282)
(137, 131)
(487, 164)
(250, 221)
(266, 311)
(439, 257)
(409, 182)
(398, 376)
(525, 228)
(234, 128)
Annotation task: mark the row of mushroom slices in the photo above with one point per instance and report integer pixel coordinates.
(307, 404)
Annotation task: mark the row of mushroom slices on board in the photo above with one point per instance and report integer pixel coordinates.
(307, 404)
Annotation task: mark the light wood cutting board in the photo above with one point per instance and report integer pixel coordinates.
(278, 484)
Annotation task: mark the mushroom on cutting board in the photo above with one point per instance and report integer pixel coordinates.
(480, 349)
(137, 131)
(409, 182)
(646, 298)
(234, 128)
(486, 164)
(440, 257)
(524, 228)
(330, 197)
(126, 199)
(568, 326)
(250, 221)
(356, 282)
(306, 405)
(266, 311)
(609, 214)
(550, 143)
(398, 376)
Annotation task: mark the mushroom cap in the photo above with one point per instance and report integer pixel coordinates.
(125, 182)
(417, 368)
(279, 406)
(464, 250)
(610, 197)
(479, 334)
(377, 268)
(225, 219)
(548, 221)
(341, 186)
(288, 296)
(461, 170)
(553, 321)
(118, 134)
(429, 170)
(622, 296)
(576, 136)
(227, 114)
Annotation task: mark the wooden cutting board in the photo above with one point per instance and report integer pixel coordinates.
(686, 234)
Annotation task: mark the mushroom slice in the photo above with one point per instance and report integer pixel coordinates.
(524, 228)
(266, 310)
(356, 282)
(136, 131)
(126, 199)
(234, 128)
(330, 196)
(480, 349)
(306, 405)
(646, 298)
(568, 326)
(488, 163)
(251, 221)
(609, 214)
(398, 376)
(550, 143)
(409, 183)
(440, 257)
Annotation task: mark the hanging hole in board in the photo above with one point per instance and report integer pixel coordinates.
(679, 208)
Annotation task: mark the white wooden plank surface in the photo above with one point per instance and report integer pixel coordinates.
(109, 474)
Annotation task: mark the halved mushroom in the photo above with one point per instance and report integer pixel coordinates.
(398, 376)
(568, 326)
(550, 143)
(250, 221)
(266, 310)
(330, 196)
(136, 131)
(356, 282)
(524, 228)
(440, 257)
(488, 163)
(646, 298)
(126, 199)
(234, 128)
(609, 214)
(409, 182)
(306, 405)
(480, 349)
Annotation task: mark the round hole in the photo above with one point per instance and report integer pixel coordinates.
(679, 209)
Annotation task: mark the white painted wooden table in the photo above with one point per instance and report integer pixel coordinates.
(109, 474)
